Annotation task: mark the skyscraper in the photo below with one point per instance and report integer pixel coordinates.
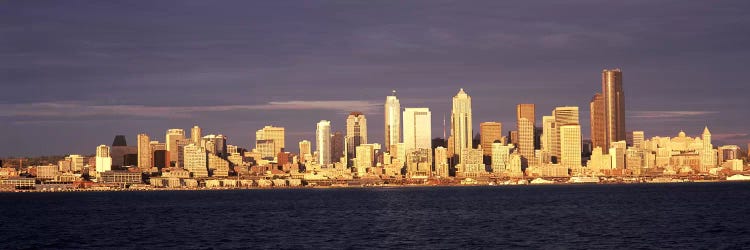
(275, 134)
(323, 142)
(563, 116)
(145, 160)
(103, 159)
(356, 132)
(598, 122)
(708, 156)
(570, 146)
(525, 114)
(638, 138)
(338, 148)
(172, 137)
(490, 132)
(392, 121)
(196, 160)
(304, 150)
(417, 129)
(441, 162)
(548, 123)
(195, 134)
(461, 125)
(614, 105)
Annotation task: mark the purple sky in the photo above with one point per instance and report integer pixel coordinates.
(76, 73)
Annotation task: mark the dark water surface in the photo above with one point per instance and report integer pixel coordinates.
(700, 215)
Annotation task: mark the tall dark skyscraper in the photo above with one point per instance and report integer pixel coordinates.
(598, 122)
(608, 111)
(337, 146)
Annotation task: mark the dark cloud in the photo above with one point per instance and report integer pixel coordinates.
(109, 57)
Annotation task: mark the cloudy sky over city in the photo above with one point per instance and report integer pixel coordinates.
(76, 73)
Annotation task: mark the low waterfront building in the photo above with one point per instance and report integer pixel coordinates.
(18, 183)
(122, 178)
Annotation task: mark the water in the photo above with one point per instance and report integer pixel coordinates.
(700, 215)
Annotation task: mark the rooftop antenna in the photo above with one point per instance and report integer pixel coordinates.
(445, 139)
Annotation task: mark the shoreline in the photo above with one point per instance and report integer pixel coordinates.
(359, 187)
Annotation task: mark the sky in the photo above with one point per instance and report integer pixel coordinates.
(73, 74)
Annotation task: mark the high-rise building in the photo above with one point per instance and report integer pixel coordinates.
(338, 148)
(145, 160)
(103, 159)
(120, 150)
(598, 122)
(728, 153)
(195, 135)
(265, 148)
(392, 121)
(500, 157)
(158, 154)
(618, 151)
(356, 132)
(196, 160)
(365, 157)
(525, 117)
(172, 137)
(548, 123)
(441, 162)
(614, 105)
(570, 146)
(461, 124)
(419, 163)
(638, 137)
(472, 164)
(417, 128)
(490, 132)
(276, 134)
(526, 110)
(323, 142)
(563, 116)
(305, 150)
(708, 155)
(215, 144)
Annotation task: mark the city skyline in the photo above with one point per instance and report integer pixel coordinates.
(68, 89)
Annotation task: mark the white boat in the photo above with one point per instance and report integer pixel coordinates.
(738, 177)
(541, 181)
(584, 179)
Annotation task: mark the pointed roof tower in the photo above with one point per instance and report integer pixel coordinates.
(706, 132)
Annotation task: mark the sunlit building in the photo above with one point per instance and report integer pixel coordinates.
(392, 121)
(525, 117)
(570, 146)
(461, 124)
(196, 160)
(305, 150)
(323, 142)
(103, 159)
(489, 133)
(356, 132)
(275, 134)
(172, 138)
(614, 105)
(145, 160)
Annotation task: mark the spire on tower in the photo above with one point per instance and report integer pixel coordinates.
(705, 131)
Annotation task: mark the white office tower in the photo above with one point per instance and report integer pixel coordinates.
(196, 160)
(392, 121)
(570, 146)
(323, 142)
(173, 137)
(461, 125)
(103, 159)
